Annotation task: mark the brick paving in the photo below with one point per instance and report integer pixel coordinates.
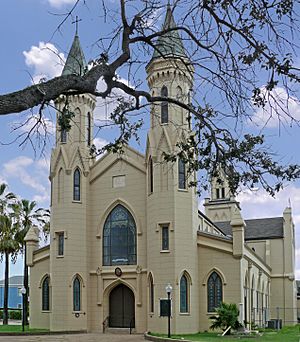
(90, 337)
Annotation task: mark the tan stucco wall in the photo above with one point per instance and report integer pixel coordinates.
(39, 318)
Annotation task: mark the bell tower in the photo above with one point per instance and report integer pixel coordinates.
(69, 176)
(172, 209)
(222, 203)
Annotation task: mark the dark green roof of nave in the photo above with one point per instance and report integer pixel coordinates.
(257, 229)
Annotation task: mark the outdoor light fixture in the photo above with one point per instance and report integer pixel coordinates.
(169, 291)
(23, 292)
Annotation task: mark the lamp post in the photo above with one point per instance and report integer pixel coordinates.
(23, 292)
(169, 291)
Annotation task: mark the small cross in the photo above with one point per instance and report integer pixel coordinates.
(76, 21)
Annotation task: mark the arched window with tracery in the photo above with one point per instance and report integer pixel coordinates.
(76, 185)
(164, 106)
(184, 294)
(151, 293)
(119, 238)
(214, 292)
(45, 294)
(76, 294)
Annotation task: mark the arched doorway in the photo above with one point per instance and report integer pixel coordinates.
(121, 307)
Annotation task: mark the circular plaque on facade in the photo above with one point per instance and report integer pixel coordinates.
(118, 272)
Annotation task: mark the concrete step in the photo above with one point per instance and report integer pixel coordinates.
(124, 331)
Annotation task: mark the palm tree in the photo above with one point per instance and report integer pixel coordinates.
(8, 244)
(27, 216)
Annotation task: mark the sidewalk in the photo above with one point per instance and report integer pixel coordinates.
(90, 337)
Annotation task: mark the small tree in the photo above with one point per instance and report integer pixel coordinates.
(227, 316)
(27, 216)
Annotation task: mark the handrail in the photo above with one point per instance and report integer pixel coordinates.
(105, 324)
(131, 325)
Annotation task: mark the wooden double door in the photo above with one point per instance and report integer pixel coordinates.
(121, 307)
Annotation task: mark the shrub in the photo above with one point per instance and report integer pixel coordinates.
(227, 316)
(15, 314)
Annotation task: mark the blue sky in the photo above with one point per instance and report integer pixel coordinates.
(32, 48)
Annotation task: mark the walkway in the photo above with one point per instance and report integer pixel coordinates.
(74, 338)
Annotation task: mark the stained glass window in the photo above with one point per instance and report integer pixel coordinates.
(165, 238)
(119, 238)
(214, 292)
(61, 241)
(183, 294)
(181, 174)
(45, 295)
(164, 106)
(76, 294)
(76, 190)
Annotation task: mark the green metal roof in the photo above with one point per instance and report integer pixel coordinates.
(170, 43)
(75, 63)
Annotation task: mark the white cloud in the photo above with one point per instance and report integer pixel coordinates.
(46, 61)
(99, 143)
(281, 108)
(31, 173)
(60, 3)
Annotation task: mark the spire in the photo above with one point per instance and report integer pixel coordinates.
(75, 62)
(169, 44)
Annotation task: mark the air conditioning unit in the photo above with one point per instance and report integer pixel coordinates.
(275, 324)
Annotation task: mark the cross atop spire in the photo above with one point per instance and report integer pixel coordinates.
(76, 21)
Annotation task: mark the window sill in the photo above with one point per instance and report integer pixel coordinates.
(211, 313)
(78, 202)
(165, 251)
(184, 314)
(60, 256)
(164, 123)
(182, 190)
(46, 311)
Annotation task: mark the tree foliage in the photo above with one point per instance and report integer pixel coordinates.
(240, 51)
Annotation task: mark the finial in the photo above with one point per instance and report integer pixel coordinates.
(76, 21)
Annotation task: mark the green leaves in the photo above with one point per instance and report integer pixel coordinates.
(226, 316)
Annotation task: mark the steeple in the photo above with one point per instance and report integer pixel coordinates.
(75, 63)
(170, 43)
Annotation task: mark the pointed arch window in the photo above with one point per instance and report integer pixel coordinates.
(76, 185)
(214, 292)
(184, 294)
(151, 293)
(45, 294)
(63, 136)
(119, 238)
(164, 106)
(150, 170)
(88, 129)
(60, 191)
(181, 174)
(76, 294)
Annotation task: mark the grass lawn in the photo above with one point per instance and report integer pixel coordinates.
(18, 329)
(287, 334)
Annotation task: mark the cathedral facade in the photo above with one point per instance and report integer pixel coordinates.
(126, 226)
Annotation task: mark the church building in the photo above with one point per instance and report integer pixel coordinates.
(126, 226)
